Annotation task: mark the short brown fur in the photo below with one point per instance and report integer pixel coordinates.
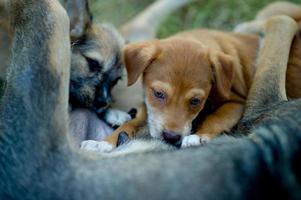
(219, 63)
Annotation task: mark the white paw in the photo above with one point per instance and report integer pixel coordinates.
(194, 140)
(116, 117)
(191, 140)
(96, 146)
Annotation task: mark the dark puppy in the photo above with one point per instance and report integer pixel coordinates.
(95, 62)
(95, 68)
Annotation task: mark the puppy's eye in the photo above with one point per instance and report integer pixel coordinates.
(195, 101)
(94, 65)
(158, 94)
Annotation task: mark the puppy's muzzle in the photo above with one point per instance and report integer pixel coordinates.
(103, 97)
(171, 137)
(102, 103)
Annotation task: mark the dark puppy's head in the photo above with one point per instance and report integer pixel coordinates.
(96, 59)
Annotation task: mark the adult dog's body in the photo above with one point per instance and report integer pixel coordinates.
(36, 161)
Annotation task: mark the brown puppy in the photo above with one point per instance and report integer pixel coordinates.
(185, 71)
(181, 74)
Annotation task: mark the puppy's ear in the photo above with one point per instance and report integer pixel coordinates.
(223, 72)
(80, 18)
(138, 56)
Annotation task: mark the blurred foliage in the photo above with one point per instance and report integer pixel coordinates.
(219, 14)
(117, 12)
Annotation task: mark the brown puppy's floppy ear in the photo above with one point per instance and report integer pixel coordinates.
(138, 56)
(223, 73)
(80, 18)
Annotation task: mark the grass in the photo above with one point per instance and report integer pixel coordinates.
(218, 14)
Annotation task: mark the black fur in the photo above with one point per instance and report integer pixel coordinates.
(92, 89)
(1, 88)
(123, 138)
(92, 77)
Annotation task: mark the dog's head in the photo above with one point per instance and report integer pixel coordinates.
(178, 77)
(96, 58)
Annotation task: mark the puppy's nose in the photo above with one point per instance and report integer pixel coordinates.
(171, 137)
(103, 97)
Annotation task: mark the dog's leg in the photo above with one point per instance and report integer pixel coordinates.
(5, 38)
(277, 8)
(145, 25)
(253, 27)
(129, 129)
(4, 17)
(34, 108)
(272, 62)
(116, 117)
(280, 8)
(221, 120)
(293, 70)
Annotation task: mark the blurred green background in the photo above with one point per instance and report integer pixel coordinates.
(220, 14)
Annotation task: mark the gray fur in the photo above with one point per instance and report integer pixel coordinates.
(96, 58)
(86, 125)
(36, 161)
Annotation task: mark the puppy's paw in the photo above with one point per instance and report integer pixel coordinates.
(116, 117)
(194, 140)
(96, 146)
(191, 140)
(205, 139)
(123, 138)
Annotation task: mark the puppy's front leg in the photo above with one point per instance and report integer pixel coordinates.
(130, 128)
(116, 117)
(223, 119)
